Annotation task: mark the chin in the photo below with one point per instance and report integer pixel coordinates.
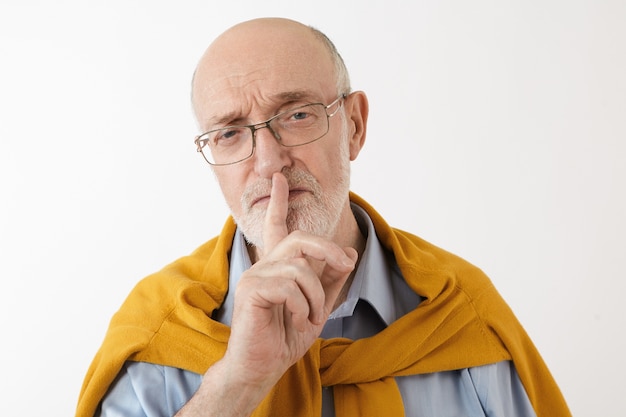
(309, 218)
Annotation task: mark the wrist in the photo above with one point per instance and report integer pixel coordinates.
(225, 391)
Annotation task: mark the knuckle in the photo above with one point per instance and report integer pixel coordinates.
(290, 286)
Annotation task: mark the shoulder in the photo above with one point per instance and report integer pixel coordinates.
(427, 268)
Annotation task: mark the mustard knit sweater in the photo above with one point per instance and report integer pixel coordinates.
(462, 322)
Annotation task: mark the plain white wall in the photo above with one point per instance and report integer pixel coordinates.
(497, 131)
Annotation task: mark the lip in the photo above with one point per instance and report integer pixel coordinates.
(259, 200)
(293, 194)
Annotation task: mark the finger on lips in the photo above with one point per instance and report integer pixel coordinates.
(275, 224)
(275, 230)
(287, 257)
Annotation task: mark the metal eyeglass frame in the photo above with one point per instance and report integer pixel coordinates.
(266, 124)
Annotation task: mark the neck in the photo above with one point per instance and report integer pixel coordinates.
(350, 236)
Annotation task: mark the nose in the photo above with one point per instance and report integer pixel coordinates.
(269, 155)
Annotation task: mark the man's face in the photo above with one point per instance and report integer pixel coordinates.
(247, 76)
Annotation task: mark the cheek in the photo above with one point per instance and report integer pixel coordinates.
(329, 174)
(232, 188)
(335, 159)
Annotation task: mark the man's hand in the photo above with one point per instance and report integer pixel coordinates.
(281, 305)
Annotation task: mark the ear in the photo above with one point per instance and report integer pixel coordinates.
(357, 110)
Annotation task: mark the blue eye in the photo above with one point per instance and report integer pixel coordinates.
(300, 115)
(229, 136)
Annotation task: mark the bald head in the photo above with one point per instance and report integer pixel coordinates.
(263, 56)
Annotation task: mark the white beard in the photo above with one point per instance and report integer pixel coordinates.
(317, 214)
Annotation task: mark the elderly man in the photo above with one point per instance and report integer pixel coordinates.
(307, 303)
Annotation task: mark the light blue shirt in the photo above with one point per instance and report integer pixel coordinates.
(377, 297)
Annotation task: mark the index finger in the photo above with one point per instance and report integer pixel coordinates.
(275, 224)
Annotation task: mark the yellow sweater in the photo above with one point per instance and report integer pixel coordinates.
(462, 322)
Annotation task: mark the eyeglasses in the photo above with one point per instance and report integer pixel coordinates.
(294, 127)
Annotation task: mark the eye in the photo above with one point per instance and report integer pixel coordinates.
(300, 115)
(228, 136)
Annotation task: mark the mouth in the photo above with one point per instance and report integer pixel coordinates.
(293, 194)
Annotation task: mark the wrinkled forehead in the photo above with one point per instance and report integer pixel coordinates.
(248, 64)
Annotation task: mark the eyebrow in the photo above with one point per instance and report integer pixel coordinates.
(291, 96)
(282, 99)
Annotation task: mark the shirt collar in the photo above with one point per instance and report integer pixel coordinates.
(372, 281)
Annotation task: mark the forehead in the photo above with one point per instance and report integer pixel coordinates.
(252, 67)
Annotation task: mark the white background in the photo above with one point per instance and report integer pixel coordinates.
(497, 131)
